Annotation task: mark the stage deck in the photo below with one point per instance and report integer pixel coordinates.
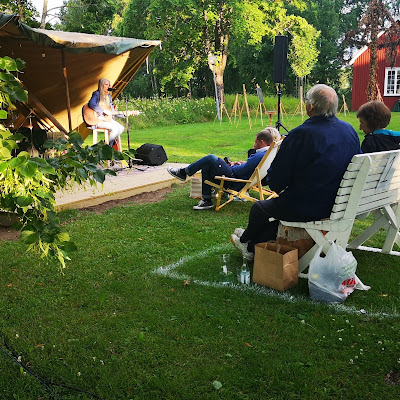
(128, 182)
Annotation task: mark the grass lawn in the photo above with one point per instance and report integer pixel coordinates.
(120, 326)
(186, 143)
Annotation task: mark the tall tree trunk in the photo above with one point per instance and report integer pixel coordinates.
(44, 15)
(21, 10)
(373, 64)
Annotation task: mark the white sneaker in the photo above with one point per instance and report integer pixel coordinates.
(242, 247)
(238, 232)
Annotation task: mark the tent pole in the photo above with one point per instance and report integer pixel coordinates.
(42, 108)
(66, 89)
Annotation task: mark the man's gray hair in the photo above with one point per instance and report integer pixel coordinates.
(324, 99)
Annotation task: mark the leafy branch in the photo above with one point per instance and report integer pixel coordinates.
(28, 184)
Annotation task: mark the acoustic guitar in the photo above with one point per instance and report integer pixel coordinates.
(92, 118)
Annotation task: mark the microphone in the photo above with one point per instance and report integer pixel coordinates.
(111, 89)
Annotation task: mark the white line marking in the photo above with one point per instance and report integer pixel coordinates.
(170, 271)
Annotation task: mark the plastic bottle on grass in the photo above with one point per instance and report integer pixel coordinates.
(244, 276)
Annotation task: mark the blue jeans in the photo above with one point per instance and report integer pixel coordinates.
(210, 166)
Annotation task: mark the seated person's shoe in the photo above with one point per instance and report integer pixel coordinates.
(178, 173)
(238, 232)
(242, 247)
(204, 205)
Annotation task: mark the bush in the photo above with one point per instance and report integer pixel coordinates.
(171, 111)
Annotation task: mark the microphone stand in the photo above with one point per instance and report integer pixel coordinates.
(127, 130)
(130, 162)
(278, 123)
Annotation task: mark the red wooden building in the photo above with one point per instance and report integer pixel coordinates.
(388, 79)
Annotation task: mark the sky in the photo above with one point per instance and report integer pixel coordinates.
(50, 4)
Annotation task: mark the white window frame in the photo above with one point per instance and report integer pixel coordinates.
(394, 88)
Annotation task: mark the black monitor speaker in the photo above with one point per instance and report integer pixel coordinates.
(151, 154)
(280, 58)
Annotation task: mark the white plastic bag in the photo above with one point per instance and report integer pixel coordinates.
(333, 277)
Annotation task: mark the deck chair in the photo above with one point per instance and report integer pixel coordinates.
(253, 183)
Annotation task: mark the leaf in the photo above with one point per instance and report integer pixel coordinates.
(24, 201)
(18, 136)
(3, 114)
(28, 169)
(91, 167)
(9, 64)
(68, 247)
(106, 152)
(28, 237)
(99, 176)
(5, 153)
(63, 237)
(82, 173)
(217, 385)
(3, 166)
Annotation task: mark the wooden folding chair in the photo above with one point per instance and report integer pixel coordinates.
(253, 183)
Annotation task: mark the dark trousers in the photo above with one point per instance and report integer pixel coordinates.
(210, 166)
(260, 228)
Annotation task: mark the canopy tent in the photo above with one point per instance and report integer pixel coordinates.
(63, 69)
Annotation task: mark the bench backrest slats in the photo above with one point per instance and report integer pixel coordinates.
(371, 181)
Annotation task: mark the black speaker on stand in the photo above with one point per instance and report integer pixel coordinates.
(151, 154)
(280, 64)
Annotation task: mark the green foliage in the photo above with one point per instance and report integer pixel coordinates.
(172, 111)
(89, 17)
(192, 30)
(28, 184)
(24, 8)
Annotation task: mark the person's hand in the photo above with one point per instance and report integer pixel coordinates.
(107, 112)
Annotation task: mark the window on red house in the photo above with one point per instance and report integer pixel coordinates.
(392, 81)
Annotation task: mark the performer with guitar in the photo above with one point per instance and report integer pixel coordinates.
(100, 110)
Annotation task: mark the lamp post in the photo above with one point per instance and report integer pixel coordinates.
(212, 60)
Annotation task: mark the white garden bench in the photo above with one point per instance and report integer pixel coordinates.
(371, 184)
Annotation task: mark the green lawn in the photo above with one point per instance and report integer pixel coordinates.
(122, 324)
(186, 143)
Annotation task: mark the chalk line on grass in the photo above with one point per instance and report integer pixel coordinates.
(171, 272)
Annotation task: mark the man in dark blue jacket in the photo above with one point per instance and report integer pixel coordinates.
(306, 172)
(212, 166)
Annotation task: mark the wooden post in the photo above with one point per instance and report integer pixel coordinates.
(247, 105)
(344, 106)
(235, 106)
(66, 89)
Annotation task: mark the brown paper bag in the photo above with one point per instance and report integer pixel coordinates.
(302, 245)
(275, 265)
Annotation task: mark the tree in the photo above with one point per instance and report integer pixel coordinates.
(88, 16)
(24, 8)
(371, 24)
(28, 184)
(191, 30)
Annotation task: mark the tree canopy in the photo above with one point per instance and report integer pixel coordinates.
(191, 30)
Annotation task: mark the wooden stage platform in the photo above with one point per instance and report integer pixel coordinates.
(128, 182)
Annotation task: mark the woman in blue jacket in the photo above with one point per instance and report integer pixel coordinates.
(101, 103)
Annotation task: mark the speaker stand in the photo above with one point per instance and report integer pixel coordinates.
(278, 122)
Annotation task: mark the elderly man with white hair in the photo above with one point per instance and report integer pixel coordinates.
(306, 172)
